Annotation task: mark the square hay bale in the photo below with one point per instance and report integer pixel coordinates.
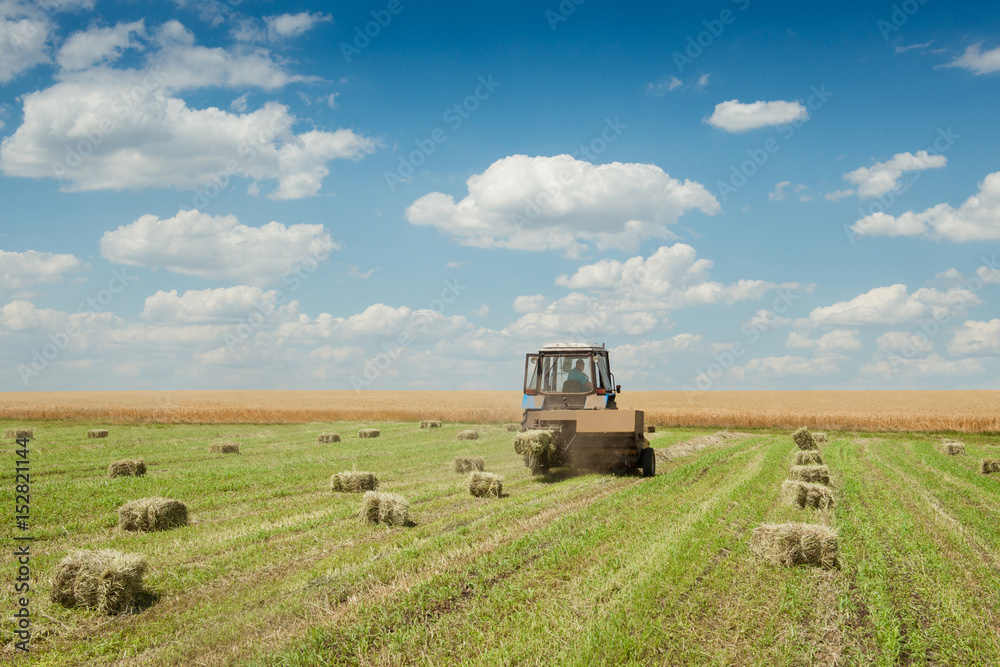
(224, 448)
(804, 494)
(469, 463)
(485, 484)
(150, 514)
(815, 474)
(105, 580)
(18, 433)
(354, 481)
(388, 509)
(368, 433)
(803, 438)
(512, 428)
(97, 433)
(650, 428)
(468, 435)
(987, 466)
(430, 423)
(819, 437)
(952, 448)
(329, 437)
(791, 544)
(809, 457)
(538, 447)
(127, 468)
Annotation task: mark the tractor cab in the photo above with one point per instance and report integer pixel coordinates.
(569, 376)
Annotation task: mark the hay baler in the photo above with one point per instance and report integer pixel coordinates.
(569, 390)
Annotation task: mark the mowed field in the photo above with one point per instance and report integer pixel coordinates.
(275, 569)
(968, 411)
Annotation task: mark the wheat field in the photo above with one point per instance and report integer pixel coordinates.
(968, 411)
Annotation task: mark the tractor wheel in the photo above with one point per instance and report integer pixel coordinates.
(648, 459)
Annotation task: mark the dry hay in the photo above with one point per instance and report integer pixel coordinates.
(105, 580)
(224, 448)
(791, 544)
(329, 437)
(815, 474)
(803, 438)
(513, 428)
(384, 508)
(483, 484)
(150, 514)
(987, 466)
(18, 433)
(538, 447)
(369, 433)
(354, 481)
(467, 435)
(469, 463)
(430, 423)
(650, 428)
(127, 468)
(695, 445)
(97, 433)
(810, 457)
(952, 448)
(804, 494)
(819, 437)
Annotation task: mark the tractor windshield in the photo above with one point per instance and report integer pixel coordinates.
(567, 374)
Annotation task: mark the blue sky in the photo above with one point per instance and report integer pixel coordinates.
(404, 195)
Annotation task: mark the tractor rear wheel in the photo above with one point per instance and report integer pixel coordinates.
(648, 460)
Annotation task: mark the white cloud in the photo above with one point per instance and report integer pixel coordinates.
(86, 48)
(663, 87)
(285, 26)
(703, 80)
(931, 365)
(579, 317)
(19, 270)
(894, 305)
(225, 304)
(904, 342)
(883, 177)
(733, 116)
(379, 322)
(482, 311)
(976, 60)
(530, 304)
(838, 340)
(977, 219)
(779, 194)
(764, 320)
(904, 49)
(976, 338)
(538, 203)
(343, 355)
(219, 247)
(777, 367)
(24, 36)
(838, 194)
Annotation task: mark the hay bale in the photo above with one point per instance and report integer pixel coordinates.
(513, 428)
(97, 433)
(987, 466)
(483, 484)
(329, 437)
(389, 509)
(467, 435)
(469, 463)
(151, 514)
(815, 474)
(224, 448)
(952, 447)
(650, 428)
(127, 468)
(368, 433)
(18, 433)
(811, 457)
(804, 494)
(538, 447)
(819, 437)
(430, 423)
(105, 580)
(804, 439)
(791, 544)
(354, 481)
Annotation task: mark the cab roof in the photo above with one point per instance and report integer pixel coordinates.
(573, 348)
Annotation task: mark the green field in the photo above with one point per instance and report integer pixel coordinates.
(574, 570)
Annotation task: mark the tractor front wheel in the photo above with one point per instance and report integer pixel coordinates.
(648, 460)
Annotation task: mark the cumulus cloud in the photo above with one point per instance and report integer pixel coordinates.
(538, 203)
(894, 305)
(838, 340)
(579, 317)
(663, 87)
(734, 116)
(929, 366)
(224, 304)
(24, 36)
(838, 194)
(86, 48)
(218, 247)
(378, 321)
(904, 342)
(777, 367)
(285, 26)
(978, 61)
(976, 339)
(977, 219)
(883, 177)
(20, 270)
(530, 304)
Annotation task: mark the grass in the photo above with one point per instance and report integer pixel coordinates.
(577, 570)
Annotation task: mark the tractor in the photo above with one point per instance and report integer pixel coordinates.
(570, 392)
